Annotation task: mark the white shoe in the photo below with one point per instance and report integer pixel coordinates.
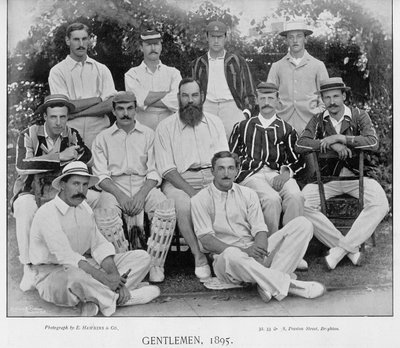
(265, 295)
(356, 258)
(217, 284)
(203, 272)
(156, 274)
(143, 295)
(335, 255)
(306, 289)
(28, 279)
(89, 309)
(302, 266)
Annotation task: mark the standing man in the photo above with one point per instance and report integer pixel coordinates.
(184, 145)
(298, 76)
(86, 82)
(265, 145)
(154, 84)
(341, 129)
(229, 223)
(42, 152)
(63, 231)
(124, 162)
(225, 79)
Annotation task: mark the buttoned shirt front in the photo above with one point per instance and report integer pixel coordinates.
(141, 80)
(80, 80)
(117, 153)
(61, 234)
(179, 146)
(234, 217)
(218, 89)
(338, 124)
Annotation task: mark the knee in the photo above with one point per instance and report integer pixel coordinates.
(306, 228)
(232, 254)
(140, 257)
(75, 276)
(270, 199)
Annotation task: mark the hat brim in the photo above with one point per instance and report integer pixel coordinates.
(344, 89)
(93, 180)
(42, 108)
(305, 31)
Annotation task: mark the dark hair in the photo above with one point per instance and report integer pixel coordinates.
(56, 105)
(66, 178)
(114, 104)
(225, 154)
(76, 26)
(187, 80)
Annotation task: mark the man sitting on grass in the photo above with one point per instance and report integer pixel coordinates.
(63, 231)
(229, 224)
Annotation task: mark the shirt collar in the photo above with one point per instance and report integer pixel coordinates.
(266, 123)
(146, 68)
(138, 127)
(71, 63)
(183, 125)
(219, 58)
(346, 113)
(306, 55)
(62, 206)
(219, 193)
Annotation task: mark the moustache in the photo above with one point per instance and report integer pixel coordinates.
(79, 195)
(81, 48)
(125, 118)
(333, 105)
(266, 106)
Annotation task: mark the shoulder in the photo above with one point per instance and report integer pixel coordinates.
(212, 118)
(59, 66)
(168, 123)
(247, 193)
(132, 71)
(202, 197)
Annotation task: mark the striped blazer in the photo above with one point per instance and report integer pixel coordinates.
(33, 158)
(357, 128)
(238, 77)
(257, 146)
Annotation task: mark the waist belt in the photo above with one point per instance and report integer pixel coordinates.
(197, 169)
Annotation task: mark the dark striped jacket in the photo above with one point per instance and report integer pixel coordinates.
(238, 77)
(257, 146)
(32, 157)
(359, 126)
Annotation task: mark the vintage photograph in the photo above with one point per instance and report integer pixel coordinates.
(206, 159)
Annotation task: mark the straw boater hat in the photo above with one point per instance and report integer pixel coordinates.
(150, 35)
(75, 168)
(55, 99)
(267, 87)
(295, 25)
(332, 83)
(216, 27)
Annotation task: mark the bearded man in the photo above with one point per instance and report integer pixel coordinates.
(184, 145)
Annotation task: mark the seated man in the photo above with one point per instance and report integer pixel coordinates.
(62, 232)
(184, 144)
(229, 223)
(124, 161)
(341, 129)
(265, 146)
(43, 150)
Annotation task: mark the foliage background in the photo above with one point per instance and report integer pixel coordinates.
(350, 41)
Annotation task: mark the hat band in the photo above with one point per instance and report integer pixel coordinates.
(333, 85)
(76, 170)
(150, 37)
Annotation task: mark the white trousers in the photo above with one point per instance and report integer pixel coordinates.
(68, 286)
(227, 111)
(25, 208)
(375, 208)
(152, 116)
(289, 198)
(235, 266)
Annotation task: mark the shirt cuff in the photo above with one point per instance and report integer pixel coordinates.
(154, 176)
(165, 172)
(288, 168)
(103, 251)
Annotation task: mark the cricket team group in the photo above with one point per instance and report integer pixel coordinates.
(212, 156)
